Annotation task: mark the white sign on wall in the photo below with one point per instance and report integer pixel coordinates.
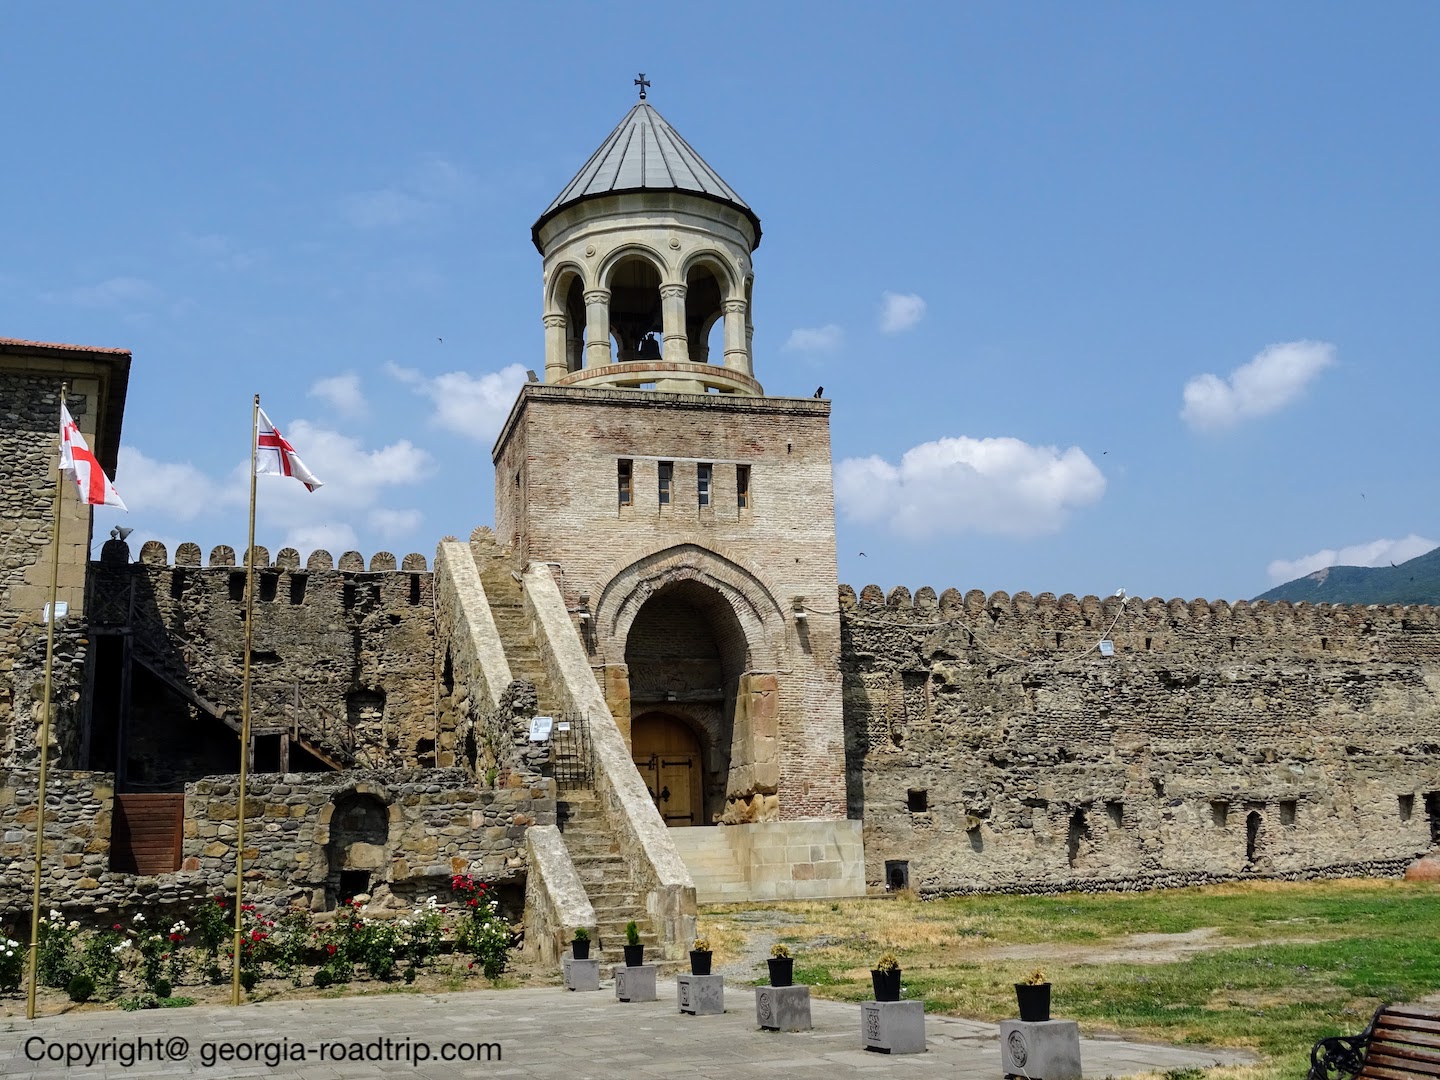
(540, 728)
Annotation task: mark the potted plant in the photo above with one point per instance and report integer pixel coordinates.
(634, 951)
(580, 946)
(1033, 997)
(700, 957)
(886, 978)
(782, 966)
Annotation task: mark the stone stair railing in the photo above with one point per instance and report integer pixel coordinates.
(654, 866)
(556, 903)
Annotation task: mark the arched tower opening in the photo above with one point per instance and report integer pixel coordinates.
(686, 655)
(704, 310)
(636, 316)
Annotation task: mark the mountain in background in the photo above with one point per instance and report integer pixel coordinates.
(1413, 582)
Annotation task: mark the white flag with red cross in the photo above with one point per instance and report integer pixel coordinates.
(79, 464)
(274, 456)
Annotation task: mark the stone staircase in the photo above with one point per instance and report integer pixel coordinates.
(507, 607)
(614, 894)
(606, 876)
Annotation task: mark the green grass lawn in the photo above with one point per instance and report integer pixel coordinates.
(1286, 964)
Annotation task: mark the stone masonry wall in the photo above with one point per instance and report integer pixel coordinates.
(439, 824)
(350, 652)
(992, 747)
(29, 446)
(77, 841)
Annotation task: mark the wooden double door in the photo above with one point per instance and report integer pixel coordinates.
(667, 753)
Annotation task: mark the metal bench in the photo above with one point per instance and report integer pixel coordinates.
(1402, 1041)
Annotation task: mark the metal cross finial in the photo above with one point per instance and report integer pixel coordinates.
(642, 83)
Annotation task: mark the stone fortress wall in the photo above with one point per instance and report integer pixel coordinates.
(405, 831)
(342, 654)
(991, 747)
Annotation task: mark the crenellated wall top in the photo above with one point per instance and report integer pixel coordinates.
(1277, 616)
(187, 555)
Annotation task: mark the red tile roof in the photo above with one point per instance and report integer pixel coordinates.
(21, 343)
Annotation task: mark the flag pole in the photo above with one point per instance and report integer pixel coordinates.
(245, 713)
(45, 735)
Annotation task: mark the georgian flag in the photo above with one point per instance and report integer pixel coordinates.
(274, 456)
(79, 464)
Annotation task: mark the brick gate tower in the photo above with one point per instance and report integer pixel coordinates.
(688, 516)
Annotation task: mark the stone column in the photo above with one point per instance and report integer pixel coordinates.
(555, 367)
(737, 354)
(675, 346)
(597, 327)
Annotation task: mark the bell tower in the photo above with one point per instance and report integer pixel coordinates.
(687, 515)
(645, 250)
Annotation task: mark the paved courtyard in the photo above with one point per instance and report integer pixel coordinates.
(540, 1032)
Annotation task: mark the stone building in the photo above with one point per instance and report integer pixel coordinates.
(725, 720)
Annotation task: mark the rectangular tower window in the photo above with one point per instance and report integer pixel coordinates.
(624, 470)
(702, 482)
(742, 486)
(667, 479)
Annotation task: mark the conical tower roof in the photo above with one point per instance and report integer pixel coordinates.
(644, 153)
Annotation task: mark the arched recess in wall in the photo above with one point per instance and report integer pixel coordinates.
(359, 828)
(751, 603)
(687, 658)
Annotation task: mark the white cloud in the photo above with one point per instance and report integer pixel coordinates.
(900, 312)
(1370, 553)
(177, 490)
(115, 292)
(1270, 381)
(342, 393)
(356, 481)
(377, 209)
(426, 189)
(393, 524)
(219, 250)
(470, 405)
(1001, 486)
(814, 339)
(335, 537)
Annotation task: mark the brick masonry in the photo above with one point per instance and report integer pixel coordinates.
(557, 500)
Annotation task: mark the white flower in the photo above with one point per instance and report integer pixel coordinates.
(55, 916)
(118, 949)
(139, 917)
(180, 928)
(74, 925)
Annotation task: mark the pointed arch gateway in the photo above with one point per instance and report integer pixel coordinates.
(696, 634)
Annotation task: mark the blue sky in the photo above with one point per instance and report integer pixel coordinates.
(1005, 238)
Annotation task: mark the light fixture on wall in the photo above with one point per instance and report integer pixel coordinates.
(120, 532)
(800, 613)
